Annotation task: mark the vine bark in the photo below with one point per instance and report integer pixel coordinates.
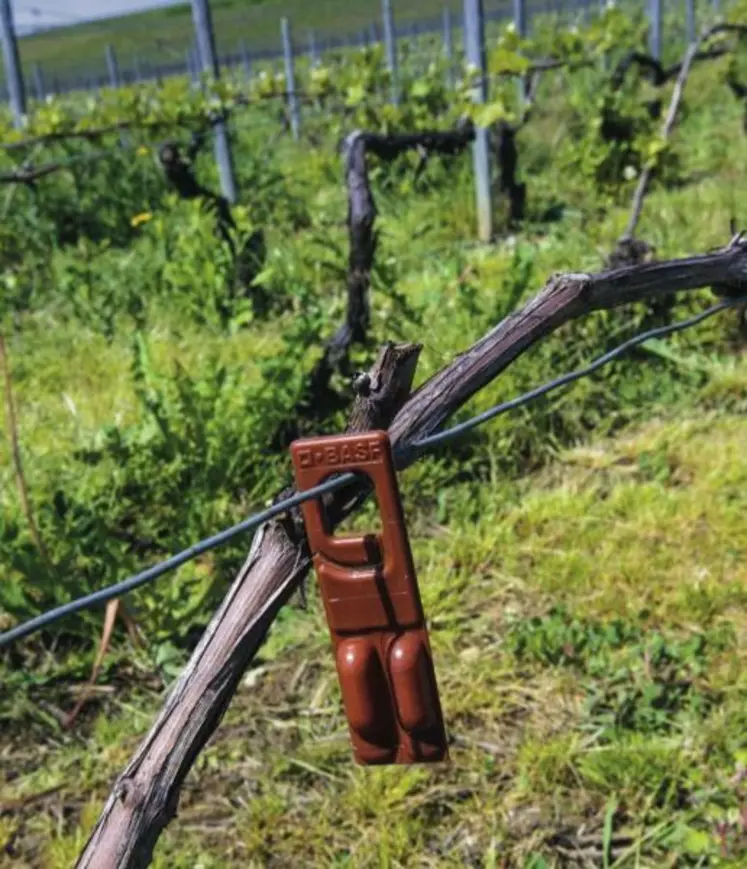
(145, 797)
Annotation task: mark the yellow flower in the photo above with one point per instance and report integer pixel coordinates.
(143, 151)
(138, 219)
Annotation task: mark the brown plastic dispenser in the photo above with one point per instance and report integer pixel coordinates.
(373, 608)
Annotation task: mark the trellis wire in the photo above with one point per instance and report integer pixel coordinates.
(403, 457)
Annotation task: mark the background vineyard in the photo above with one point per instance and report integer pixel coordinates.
(582, 561)
(152, 43)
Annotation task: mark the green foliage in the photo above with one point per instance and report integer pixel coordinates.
(636, 680)
(525, 736)
(114, 254)
(193, 268)
(560, 639)
(613, 137)
(613, 133)
(122, 498)
(150, 394)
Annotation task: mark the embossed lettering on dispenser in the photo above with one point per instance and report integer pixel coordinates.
(373, 608)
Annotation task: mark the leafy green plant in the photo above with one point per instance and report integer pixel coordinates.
(635, 680)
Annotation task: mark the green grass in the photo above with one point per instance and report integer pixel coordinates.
(582, 562)
(590, 639)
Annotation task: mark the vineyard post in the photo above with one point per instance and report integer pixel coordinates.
(390, 41)
(313, 51)
(520, 25)
(690, 20)
(448, 48)
(290, 78)
(13, 74)
(246, 60)
(474, 36)
(206, 53)
(192, 68)
(39, 86)
(520, 17)
(654, 33)
(112, 66)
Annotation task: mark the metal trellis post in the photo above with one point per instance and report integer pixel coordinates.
(390, 41)
(313, 50)
(474, 36)
(690, 20)
(654, 36)
(290, 79)
(209, 61)
(112, 66)
(13, 74)
(39, 86)
(448, 47)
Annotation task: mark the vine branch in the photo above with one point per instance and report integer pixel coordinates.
(145, 796)
(685, 66)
